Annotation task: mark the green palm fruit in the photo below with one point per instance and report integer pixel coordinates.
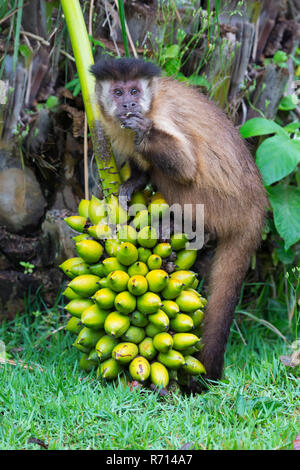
(70, 294)
(117, 280)
(163, 342)
(163, 250)
(189, 351)
(82, 236)
(103, 283)
(151, 330)
(147, 237)
(184, 340)
(74, 325)
(172, 359)
(139, 268)
(89, 250)
(101, 231)
(137, 285)
(147, 349)
(93, 317)
(159, 375)
(139, 369)
(160, 319)
(81, 268)
(193, 366)
(77, 306)
(178, 241)
(112, 264)
(125, 302)
(134, 334)
(88, 338)
(127, 253)
(185, 259)
(182, 323)
(116, 324)
(97, 269)
(138, 197)
(85, 285)
(170, 308)
(172, 289)
(197, 317)
(141, 219)
(138, 319)
(127, 233)
(125, 352)
(105, 346)
(93, 356)
(148, 303)
(195, 284)
(76, 222)
(186, 277)
(104, 298)
(188, 301)
(97, 210)
(109, 369)
(157, 280)
(158, 209)
(116, 213)
(67, 265)
(144, 254)
(154, 262)
(111, 246)
(83, 208)
(85, 363)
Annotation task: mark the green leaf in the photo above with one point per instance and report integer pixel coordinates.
(292, 127)
(198, 81)
(285, 201)
(260, 126)
(279, 57)
(171, 51)
(52, 102)
(288, 102)
(277, 157)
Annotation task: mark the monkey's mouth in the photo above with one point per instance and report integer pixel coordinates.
(125, 115)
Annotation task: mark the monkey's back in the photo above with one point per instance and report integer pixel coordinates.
(226, 178)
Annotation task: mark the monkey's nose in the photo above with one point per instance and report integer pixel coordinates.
(129, 105)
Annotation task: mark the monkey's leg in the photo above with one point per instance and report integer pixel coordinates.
(229, 268)
(137, 180)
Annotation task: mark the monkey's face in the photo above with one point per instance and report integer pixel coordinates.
(123, 98)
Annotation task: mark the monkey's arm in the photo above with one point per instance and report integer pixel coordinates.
(160, 149)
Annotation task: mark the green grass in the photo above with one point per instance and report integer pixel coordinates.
(255, 407)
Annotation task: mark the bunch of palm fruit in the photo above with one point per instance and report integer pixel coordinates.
(132, 296)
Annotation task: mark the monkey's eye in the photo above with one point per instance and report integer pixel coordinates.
(118, 92)
(134, 91)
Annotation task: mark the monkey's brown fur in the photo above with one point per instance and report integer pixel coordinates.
(194, 155)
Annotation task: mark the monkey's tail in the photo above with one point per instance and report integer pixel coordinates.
(228, 270)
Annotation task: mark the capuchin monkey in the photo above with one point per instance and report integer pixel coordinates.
(172, 134)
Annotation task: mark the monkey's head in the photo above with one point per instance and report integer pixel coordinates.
(124, 85)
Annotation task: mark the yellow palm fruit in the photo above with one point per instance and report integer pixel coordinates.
(163, 342)
(138, 269)
(85, 285)
(127, 253)
(134, 334)
(74, 326)
(182, 341)
(182, 323)
(116, 324)
(157, 280)
(137, 285)
(96, 210)
(170, 308)
(193, 366)
(154, 262)
(112, 264)
(185, 259)
(172, 359)
(186, 277)
(77, 306)
(125, 352)
(125, 302)
(147, 237)
(105, 346)
(188, 301)
(147, 349)
(172, 289)
(109, 369)
(83, 208)
(104, 298)
(93, 317)
(148, 303)
(160, 319)
(163, 249)
(117, 280)
(76, 222)
(89, 250)
(139, 369)
(159, 375)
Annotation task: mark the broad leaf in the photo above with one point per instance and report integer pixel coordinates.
(285, 201)
(260, 126)
(277, 157)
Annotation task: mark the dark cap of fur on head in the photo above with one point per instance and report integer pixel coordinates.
(124, 69)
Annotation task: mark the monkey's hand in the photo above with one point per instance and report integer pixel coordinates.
(139, 123)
